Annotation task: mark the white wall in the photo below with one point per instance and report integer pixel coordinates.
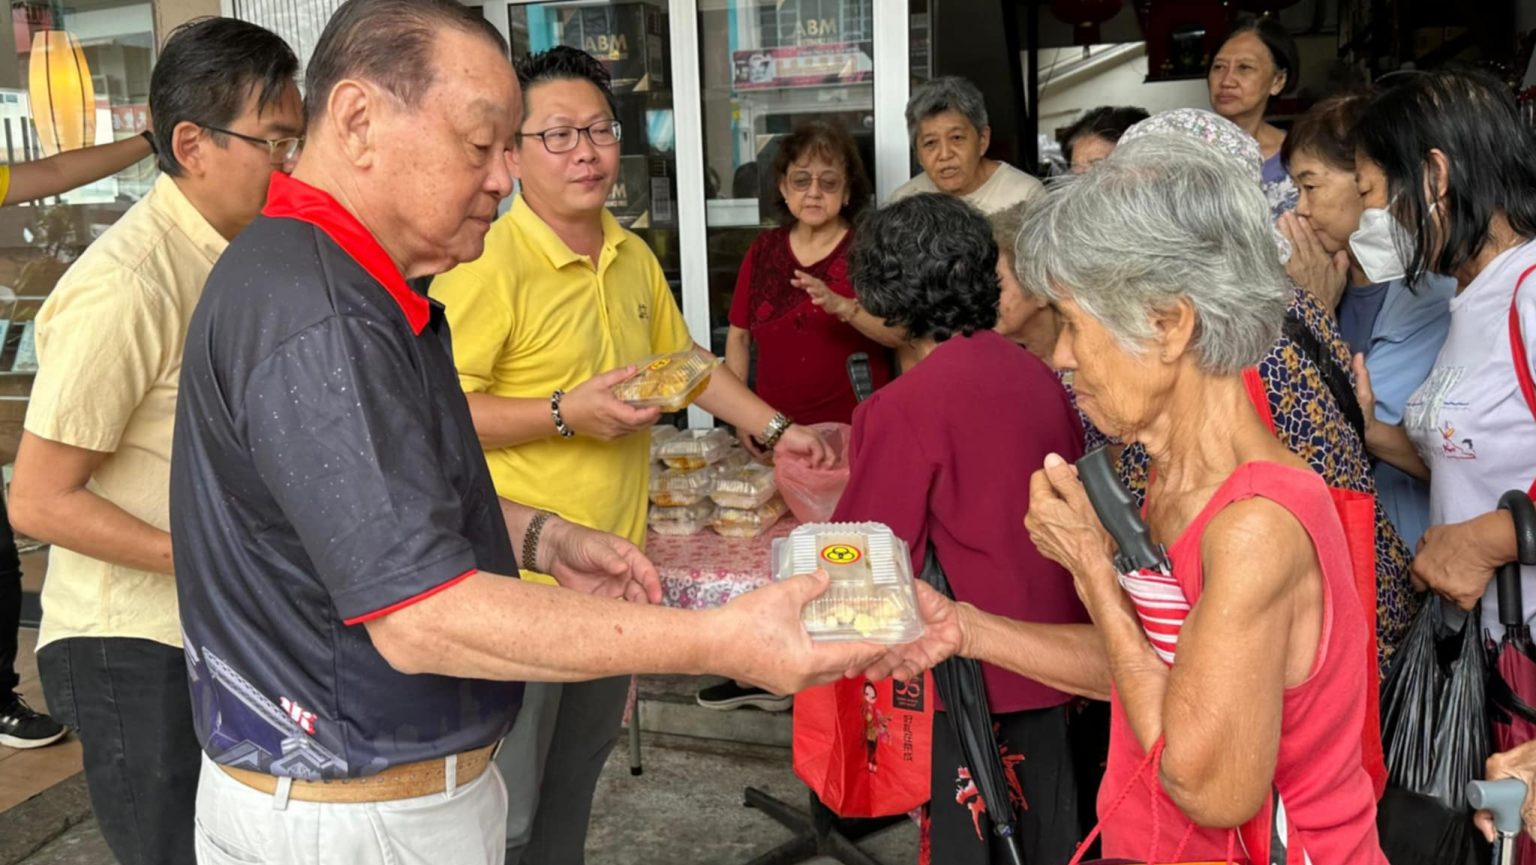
(1118, 82)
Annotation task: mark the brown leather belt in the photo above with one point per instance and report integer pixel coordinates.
(406, 781)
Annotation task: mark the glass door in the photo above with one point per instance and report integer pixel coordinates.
(765, 67)
(631, 38)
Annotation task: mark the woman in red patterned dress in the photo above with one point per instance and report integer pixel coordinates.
(793, 299)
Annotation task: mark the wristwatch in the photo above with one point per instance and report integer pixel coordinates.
(775, 430)
(530, 561)
(154, 150)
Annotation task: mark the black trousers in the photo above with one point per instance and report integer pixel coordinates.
(1038, 759)
(10, 604)
(127, 699)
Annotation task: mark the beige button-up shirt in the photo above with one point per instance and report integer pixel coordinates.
(109, 343)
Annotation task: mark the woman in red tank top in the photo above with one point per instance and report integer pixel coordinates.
(1237, 724)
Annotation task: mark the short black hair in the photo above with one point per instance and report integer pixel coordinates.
(387, 42)
(1281, 45)
(927, 264)
(1108, 122)
(1471, 118)
(207, 69)
(1326, 131)
(832, 142)
(564, 63)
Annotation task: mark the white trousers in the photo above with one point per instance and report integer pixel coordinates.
(237, 825)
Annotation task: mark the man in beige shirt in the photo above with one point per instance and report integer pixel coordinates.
(92, 474)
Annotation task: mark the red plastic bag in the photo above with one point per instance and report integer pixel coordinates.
(812, 492)
(866, 748)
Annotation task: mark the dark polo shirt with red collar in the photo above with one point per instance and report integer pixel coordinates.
(325, 472)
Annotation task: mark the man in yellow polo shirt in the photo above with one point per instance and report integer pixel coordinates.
(558, 309)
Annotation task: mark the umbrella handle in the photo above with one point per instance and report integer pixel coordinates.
(1502, 798)
(1523, 513)
(1117, 510)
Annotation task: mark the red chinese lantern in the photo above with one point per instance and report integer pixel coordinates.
(1085, 16)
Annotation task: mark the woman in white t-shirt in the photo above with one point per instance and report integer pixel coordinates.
(947, 122)
(1448, 177)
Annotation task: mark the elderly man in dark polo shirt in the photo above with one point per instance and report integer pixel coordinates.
(353, 637)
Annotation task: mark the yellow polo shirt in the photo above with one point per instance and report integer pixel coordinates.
(530, 316)
(109, 344)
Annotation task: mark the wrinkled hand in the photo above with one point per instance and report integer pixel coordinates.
(598, 563)
(764, 643)
(806, 442)
(1064, 527)
(593, 411)
(1519, 762)
(1363, 391)
(822, 296)
(1452, 561)
(944, 635)
(1311, 267)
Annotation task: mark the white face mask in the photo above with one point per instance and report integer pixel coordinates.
(1376, 243)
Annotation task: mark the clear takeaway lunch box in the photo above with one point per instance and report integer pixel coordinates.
(681, 487)
(684, 520)
(669, 381)
(748, 523)
(746, 487)
(660, 435)
(871, 596)
(695, 448)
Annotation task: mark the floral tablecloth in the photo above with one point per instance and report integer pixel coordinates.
(707, 570)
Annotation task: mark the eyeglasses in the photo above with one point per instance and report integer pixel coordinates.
(279, 151)
(830, 183)
(563, 139)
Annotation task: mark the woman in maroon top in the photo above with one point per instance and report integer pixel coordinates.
(792, 295)
(943, 455)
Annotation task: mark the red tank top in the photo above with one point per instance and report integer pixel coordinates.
(1327, 807)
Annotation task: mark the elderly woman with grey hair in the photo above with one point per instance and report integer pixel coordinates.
(947, 123)
(1235, 678)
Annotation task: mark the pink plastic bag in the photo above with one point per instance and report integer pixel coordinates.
(812, 492)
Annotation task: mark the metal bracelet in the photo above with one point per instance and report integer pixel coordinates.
(775, 430)
(530, 560)
(554, 412)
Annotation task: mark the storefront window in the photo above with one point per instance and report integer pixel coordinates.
(766, 66)
(630, 38)
(39, 239)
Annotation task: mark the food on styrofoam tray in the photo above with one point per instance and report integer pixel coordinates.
(670, 382)
(660, 435)
(684, 520)
(696, 448)
(871, 596)
(745, 487)
(748, 523)
(681, 487)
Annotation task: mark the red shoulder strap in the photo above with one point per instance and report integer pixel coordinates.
(1517, 350)
(1258, 395)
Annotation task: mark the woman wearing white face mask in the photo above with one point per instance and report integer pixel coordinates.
(1445, 156)
(1397, 327)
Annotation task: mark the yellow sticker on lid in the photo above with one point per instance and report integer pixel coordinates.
(841, 554)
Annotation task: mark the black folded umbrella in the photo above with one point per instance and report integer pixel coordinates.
(965, 703)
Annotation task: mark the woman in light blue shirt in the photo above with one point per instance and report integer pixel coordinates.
(1398, 328)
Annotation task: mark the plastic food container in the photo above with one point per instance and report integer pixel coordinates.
(669, 381)
(739, 523)
(685, 520)
(660, 435)
(680, 487)
(696, 448)
(745, 487)
(871, 596)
